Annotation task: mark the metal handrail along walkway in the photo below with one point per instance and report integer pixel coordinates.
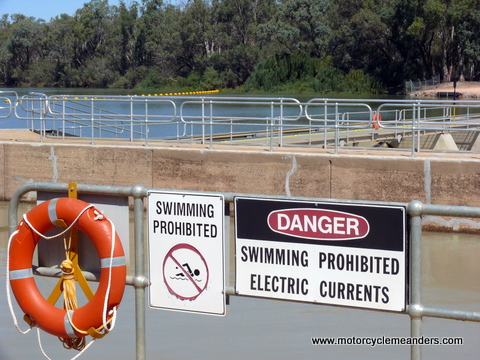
(266, 121)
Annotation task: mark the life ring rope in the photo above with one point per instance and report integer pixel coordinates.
(60, 234)
(74, 358)
(9, 298)
(108, 318)
(96, 333)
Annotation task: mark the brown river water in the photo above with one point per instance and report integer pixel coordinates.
(270, 329)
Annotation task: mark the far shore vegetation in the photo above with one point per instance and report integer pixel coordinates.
(295, 46)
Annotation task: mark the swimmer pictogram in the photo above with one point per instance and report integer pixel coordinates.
(196, 272)
(185, 272)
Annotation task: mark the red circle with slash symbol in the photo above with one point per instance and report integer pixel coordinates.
(185, 272)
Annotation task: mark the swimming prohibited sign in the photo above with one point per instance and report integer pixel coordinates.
(186, 252)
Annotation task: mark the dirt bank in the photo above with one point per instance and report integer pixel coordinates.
(465, 89)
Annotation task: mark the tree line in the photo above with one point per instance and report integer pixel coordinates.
(354, 46)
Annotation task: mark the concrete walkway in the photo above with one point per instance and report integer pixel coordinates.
(27, 136)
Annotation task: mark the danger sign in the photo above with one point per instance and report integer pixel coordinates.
(331, 253)
(186, 252)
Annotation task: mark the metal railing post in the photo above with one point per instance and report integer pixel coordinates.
(146, 122)
(336, 129)
(93, 123)
(203, 121)
(415, 309)
(131, 119)
(280, 130)
(63, 119)
(414, 115)
(272, 124)
(211, 124)
(43, 125)
(139, 283)
(325, 117)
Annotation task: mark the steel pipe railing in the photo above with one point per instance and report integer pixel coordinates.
(207, 119)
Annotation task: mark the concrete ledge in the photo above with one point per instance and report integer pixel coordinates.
(444, 179)
(356, 174)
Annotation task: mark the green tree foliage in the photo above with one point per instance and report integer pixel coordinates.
(325, 46)
(298, 72)
(281, 71)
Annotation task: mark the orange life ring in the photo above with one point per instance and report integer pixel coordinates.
(47, 317)
(377, 117)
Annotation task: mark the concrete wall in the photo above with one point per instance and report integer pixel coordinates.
(434, 179)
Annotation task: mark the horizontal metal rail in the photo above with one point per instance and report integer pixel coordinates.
(7, 101)
(415, 309)
(319, 122)
(6, 108)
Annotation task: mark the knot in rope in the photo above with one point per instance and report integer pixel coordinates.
(67, 270)
(70, 303)
(69, 291)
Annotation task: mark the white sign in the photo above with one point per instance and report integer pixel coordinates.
(329, 253)
(186, 252)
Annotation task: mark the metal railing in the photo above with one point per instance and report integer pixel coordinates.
(7, 101)
(412, 86)
(415, 308)
(266, 121)
(236, 115)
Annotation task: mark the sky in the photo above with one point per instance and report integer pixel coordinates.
(45, 9)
